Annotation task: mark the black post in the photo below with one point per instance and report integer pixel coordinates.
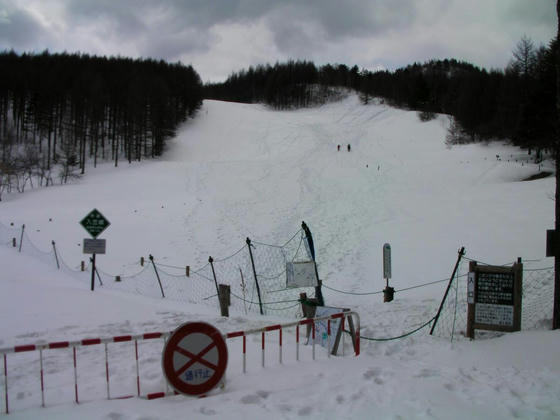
(309, 237)
(556, 307)
(157, 275)
(211, 261)
(55, 255)
(461, 253)
(255, 275)
(92, 272)
(98, 277)
(21, 237)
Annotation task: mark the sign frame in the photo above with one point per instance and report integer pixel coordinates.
(477, 296)
(179, 342)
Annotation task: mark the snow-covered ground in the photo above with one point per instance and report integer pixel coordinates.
(239, 171)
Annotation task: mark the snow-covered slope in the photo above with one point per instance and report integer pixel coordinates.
(239, 171)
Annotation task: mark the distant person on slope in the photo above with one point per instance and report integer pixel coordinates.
(338, 147)
(348, 147)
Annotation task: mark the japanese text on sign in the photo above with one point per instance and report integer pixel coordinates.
(495, 288)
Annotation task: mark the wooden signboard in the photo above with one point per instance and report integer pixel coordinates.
(494, 298)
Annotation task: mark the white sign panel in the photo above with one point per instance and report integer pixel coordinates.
(386, 261)
(470, 288)
(301, 274)
(94, 246)
(488, 313)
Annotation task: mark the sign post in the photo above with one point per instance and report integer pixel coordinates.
(388, 292)
(194, 359)
(94, 223)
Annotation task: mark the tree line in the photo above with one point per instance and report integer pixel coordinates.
(62, 112)
(517, 102)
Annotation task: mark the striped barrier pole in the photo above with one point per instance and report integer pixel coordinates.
(154, 335)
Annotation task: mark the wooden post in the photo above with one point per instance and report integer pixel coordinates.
(225, 298)
(470, 306)
(142, 261)
(82, 266)
(188, 270)
(308, 309)
(14, 244)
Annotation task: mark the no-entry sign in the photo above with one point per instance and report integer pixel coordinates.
(194, 358)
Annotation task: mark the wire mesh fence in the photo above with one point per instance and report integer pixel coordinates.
(537, 301)
(256, 274)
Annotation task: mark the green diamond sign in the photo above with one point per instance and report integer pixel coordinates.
(95, 223)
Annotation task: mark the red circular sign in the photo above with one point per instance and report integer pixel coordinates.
(194, 358)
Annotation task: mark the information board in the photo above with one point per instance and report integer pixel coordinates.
(94, 246)
(494, 298)
(301, 274)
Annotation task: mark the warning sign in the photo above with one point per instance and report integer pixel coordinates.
(194, 358)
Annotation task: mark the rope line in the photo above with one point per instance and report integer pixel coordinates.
(398, 337)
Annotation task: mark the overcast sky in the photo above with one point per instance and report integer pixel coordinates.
(218, 37)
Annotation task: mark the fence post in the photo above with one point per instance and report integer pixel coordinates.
(224, 296)
(142, 261)
(55, 255)
(157, 275)
(14, 242)
(21, 238)
(255, 275)
(82, 266)
(461, 253)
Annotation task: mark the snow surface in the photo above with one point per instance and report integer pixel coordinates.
(239, 171)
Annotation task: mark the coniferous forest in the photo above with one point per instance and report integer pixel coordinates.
(62, 112)
(516, 103)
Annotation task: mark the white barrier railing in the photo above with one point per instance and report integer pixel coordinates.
(74, 345)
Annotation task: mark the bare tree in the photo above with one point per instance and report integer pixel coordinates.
(524, 57)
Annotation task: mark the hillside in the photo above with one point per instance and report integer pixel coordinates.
(239, 171)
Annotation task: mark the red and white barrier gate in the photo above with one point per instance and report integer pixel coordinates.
(164, 335)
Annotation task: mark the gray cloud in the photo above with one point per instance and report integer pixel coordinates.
(232, 34)
(19, 28)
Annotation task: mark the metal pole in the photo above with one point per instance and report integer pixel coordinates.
(461, 253)
(93, 272)
(157, 275)
(309, 237)
(211, 261)
(21, 237)
(55, 255)
(255, 275)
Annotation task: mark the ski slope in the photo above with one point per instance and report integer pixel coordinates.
(238, 171)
